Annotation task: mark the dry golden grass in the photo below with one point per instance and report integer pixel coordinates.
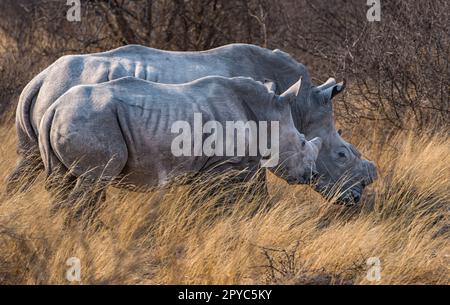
(164, 238)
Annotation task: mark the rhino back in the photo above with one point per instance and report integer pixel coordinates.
(165, 67)
(229, 61)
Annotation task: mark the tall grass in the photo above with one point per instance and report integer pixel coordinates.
(167, 237)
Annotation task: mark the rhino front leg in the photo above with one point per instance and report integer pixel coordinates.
(226, 191)
(256, 192)
(260, 184)
(260, 191)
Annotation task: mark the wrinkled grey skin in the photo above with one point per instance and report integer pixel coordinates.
(121, 130)
(312, 110)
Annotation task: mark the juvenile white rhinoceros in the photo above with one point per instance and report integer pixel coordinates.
(123, 130)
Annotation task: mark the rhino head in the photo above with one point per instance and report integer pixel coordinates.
(297, 155)
(343, 173)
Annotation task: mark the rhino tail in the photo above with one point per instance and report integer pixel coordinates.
(26, 133)
(47, 154)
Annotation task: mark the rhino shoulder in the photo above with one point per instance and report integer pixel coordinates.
(287, 58)
(127, 81)
(233, 83)
(233, 47)
(66, 60)
(78, 92)
(125, 87)
(127, 50)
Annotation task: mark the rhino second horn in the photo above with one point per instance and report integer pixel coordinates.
(330, 82)
(334, 90)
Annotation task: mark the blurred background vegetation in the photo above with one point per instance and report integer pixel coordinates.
(398, 69)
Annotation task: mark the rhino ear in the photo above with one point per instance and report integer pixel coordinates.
(330, 82)
(317, 141)
(270, 85)
(333, 90)
(290, 94)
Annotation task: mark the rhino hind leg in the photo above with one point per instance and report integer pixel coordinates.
(79, 198)
(101, 163)
(59, 184)
(85, 201)
(25, 173)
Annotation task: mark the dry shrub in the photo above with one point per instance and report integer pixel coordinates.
(398, 68)
(33, 34)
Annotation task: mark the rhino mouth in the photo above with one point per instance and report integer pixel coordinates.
(348, 192)
(353, 195)
(350, 197)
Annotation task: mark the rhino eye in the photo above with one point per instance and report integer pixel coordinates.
(342, 154)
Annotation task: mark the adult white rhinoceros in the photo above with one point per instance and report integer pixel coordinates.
(339, 163)
(123, 131)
